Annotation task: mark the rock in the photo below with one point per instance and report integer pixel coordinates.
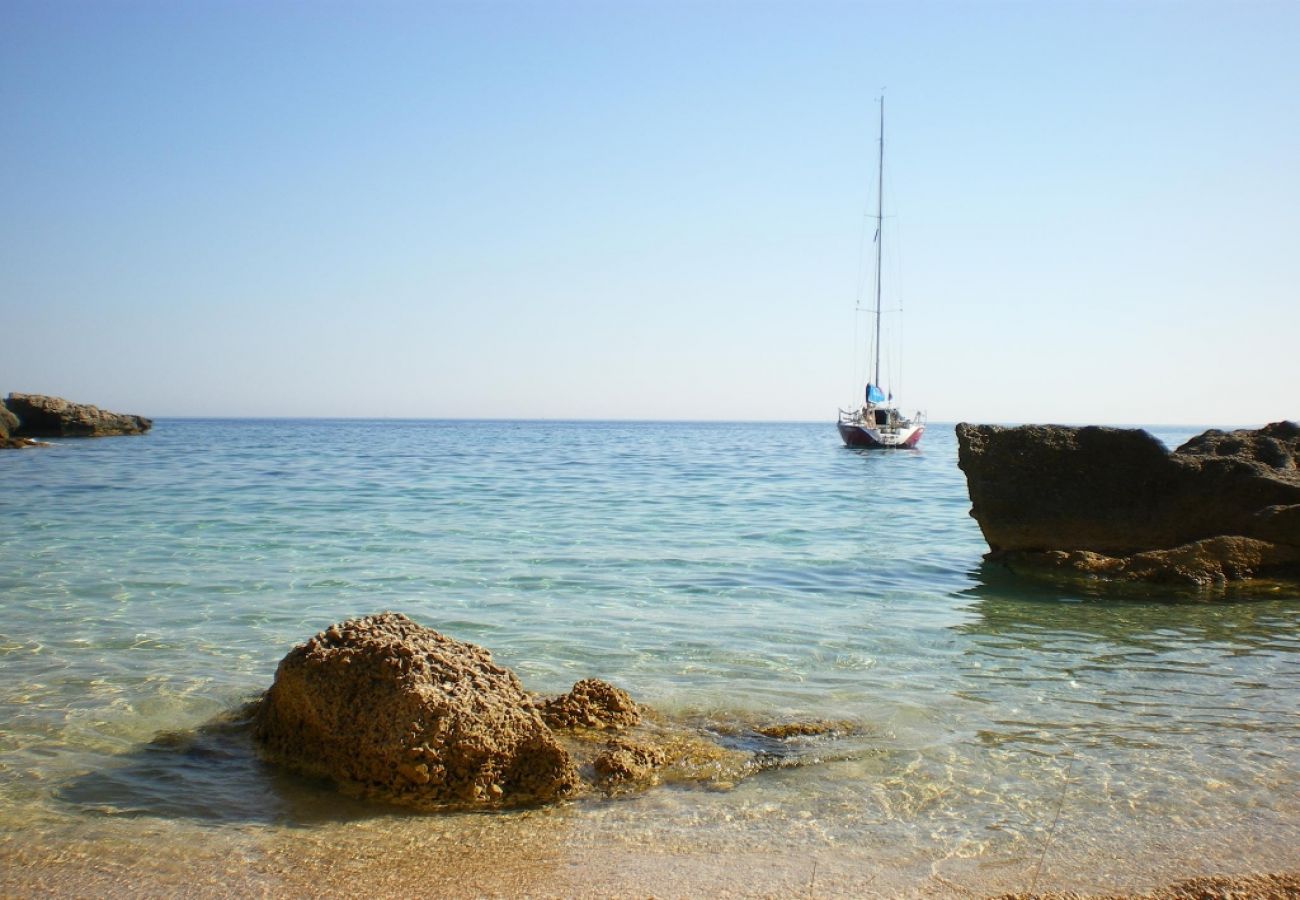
(9, 425)
(42, 416)
(805, 728)
(1271, 886)
(657, 749)
(391, 710)
(1113, 503)
(1210, 561)
(592, 704)
(8, 422)
(624, 760)
(1274, 446)
(396, 711)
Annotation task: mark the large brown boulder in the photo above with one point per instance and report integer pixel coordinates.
(41, 416)
(396, 711)
(1085, 495)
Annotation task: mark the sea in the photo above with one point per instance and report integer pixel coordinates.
(1004, 734)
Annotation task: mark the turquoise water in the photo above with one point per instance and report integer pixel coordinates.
(719, 572)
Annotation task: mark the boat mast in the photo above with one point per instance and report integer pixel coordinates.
(880, 218)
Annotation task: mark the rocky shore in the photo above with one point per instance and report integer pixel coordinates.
(1114, 504)
(24, 417)
(8, 426)
(393, 711)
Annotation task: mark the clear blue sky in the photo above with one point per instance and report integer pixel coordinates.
(650, 210)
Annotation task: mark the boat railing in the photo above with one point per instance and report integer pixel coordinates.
(856, 416)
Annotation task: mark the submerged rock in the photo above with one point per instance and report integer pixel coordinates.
(41, 416)
(1204, 562)
(805, 728)
(660, 750)
(1113, 503)
(397, 711)
(624, 760)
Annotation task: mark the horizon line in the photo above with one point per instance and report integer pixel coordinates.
(653, 421)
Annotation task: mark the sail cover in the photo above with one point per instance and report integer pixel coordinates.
(874, 394)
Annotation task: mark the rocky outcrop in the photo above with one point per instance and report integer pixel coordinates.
(393, 710)
(41, 416)
(1114, 503)
(9, 425)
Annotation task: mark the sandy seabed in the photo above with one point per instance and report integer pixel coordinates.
(548, 853)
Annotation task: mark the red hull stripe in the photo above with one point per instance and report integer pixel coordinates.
(858, 437)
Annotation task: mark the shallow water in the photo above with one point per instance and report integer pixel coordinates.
(720, 572)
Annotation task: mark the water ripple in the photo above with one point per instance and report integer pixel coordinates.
(152, 584)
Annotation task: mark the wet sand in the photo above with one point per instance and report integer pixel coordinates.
(554, 854)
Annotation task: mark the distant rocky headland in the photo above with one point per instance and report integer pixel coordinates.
(1114, 504)
(25, 417)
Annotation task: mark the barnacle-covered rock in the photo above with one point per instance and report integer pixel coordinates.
(396, 711)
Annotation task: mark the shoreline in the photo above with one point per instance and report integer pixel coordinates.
(79, 870)
(575, 852)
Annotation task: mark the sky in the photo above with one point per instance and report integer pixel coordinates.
(635, 210)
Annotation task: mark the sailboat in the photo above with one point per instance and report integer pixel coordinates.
(878, 423)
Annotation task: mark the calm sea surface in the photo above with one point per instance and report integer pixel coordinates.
(721, 572)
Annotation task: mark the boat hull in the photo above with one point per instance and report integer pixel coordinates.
(876, 439)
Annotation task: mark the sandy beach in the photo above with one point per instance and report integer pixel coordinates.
(561, 852)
